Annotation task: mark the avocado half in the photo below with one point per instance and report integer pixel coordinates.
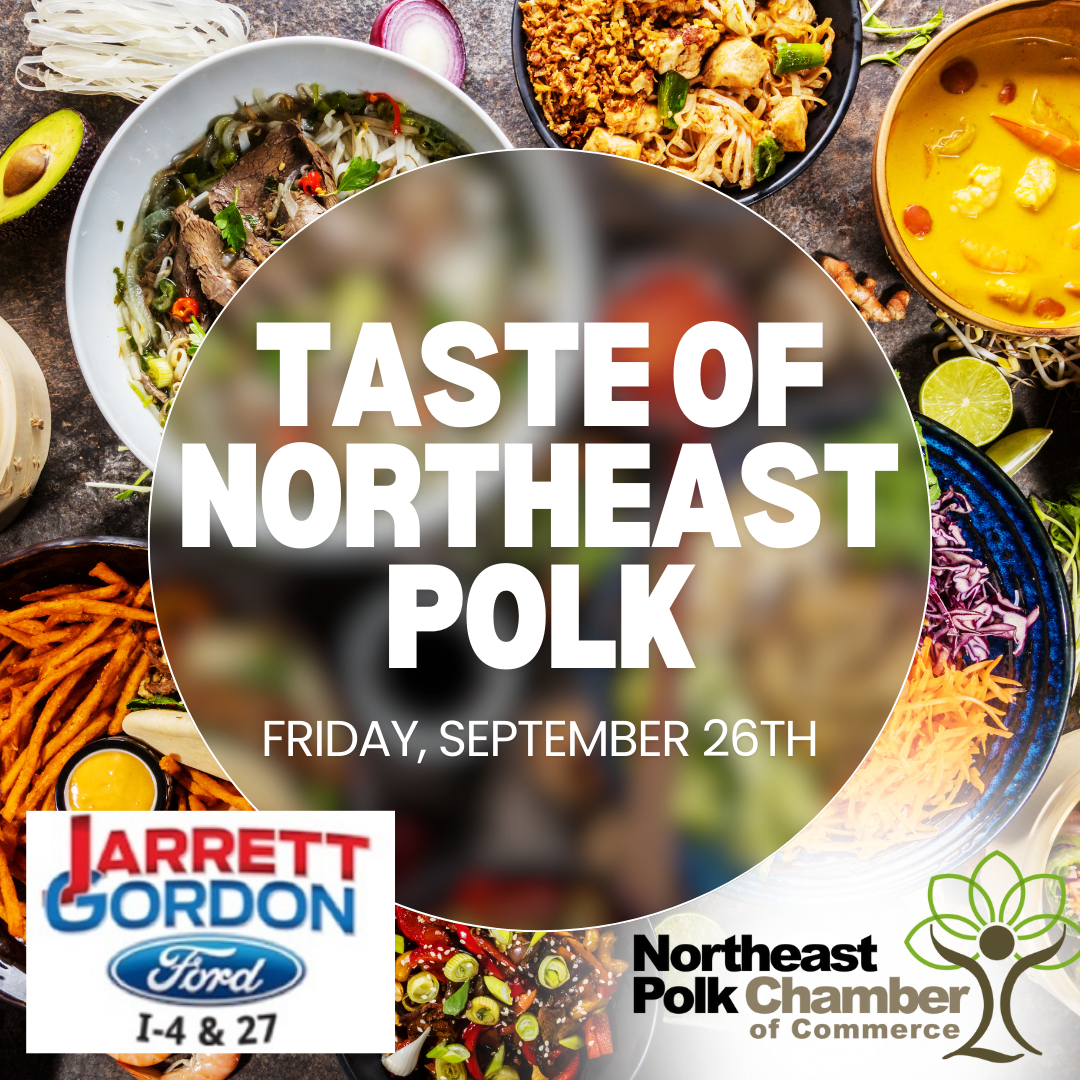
(42, 173)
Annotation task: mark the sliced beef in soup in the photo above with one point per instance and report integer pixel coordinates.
(285, 154)
(307, 210)
(201, 239)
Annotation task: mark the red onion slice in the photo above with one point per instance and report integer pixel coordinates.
(424, 31)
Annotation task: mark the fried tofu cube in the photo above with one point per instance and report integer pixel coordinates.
(680, 50)
(1037, 184)
(787, 118)
(603, 142)
(632, 117)
(737, 63)
(1009, 294)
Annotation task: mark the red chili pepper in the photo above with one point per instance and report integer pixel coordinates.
(529, 1051)
(481, 947)
(185, 309)
(571, 1070)
(476, 947)
(396, 128)
(311, 183)
(468, 1039)
(422, 929)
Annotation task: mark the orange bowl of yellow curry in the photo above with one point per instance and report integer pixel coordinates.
(977, 169)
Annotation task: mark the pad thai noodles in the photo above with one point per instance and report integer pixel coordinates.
(500, 1005)
(223, 205)
(716, 89)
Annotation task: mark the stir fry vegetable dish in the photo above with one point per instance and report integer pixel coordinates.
(720, 91)
(497, 1005)
(222, 206)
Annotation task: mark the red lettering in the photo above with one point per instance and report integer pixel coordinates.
(300, 842)
(348, 845)
(256, 844)
(118, 855)
(79, 879)
(211, 845)
(165, 845)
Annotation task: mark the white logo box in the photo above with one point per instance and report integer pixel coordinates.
(204, 932)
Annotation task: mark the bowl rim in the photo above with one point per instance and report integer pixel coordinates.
(897, 248)
(60, 543)
(754, 194)
(105, 395)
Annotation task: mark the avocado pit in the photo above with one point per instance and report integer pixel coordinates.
(26, 167)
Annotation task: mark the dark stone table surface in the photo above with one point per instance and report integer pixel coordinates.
(827, 209)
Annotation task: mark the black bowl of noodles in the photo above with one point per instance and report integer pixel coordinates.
(822, 123)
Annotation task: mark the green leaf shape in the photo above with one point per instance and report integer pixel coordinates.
(938, 919)
(1022, 884)
(231, 223)
(360, 173)
(1053, 921)
(972, 886)
(988, 860)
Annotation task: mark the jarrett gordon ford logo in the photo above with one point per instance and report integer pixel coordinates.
(174, 933)
(1025, 917)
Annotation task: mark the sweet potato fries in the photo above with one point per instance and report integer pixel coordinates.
(70, 661)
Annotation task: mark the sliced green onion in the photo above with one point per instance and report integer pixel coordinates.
(422, 987)
(527, 1027)
(496, 1062)
(506, 1073)
(449, 1070)
(798, 57)
(553, 971)
(164, 302)
(159, 370)
(538, 936)
(399, 944)
(499, 989)
(671, 96)
(572, 1042)
(456, 1052)
(461, 967)
(455, 1002)
(483, 1010)
(502, 938)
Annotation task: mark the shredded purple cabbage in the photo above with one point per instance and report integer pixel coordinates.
(964, 609)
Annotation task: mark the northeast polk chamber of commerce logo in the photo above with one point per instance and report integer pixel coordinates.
(159, 937)
(996, 919)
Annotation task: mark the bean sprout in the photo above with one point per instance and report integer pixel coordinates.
(1056, 361)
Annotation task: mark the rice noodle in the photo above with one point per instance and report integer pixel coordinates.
(123, 47)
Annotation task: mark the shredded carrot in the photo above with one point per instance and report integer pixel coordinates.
(923, 763)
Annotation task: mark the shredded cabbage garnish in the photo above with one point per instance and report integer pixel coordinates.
(123, 47)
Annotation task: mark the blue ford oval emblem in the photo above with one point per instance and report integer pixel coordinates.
(206, 968)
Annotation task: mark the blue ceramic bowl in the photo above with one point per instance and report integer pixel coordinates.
(1005, 534)
(824, 122)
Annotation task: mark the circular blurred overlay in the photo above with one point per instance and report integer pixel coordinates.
(819, 634)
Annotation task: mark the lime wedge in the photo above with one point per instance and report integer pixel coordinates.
(688, 928)
(972, 397)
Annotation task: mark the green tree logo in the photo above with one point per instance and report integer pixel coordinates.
(1030, 908)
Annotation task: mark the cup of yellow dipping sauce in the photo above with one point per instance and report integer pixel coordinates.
(117, 773)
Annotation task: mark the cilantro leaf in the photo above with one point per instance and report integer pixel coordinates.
(231, 223)
(359, 175)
